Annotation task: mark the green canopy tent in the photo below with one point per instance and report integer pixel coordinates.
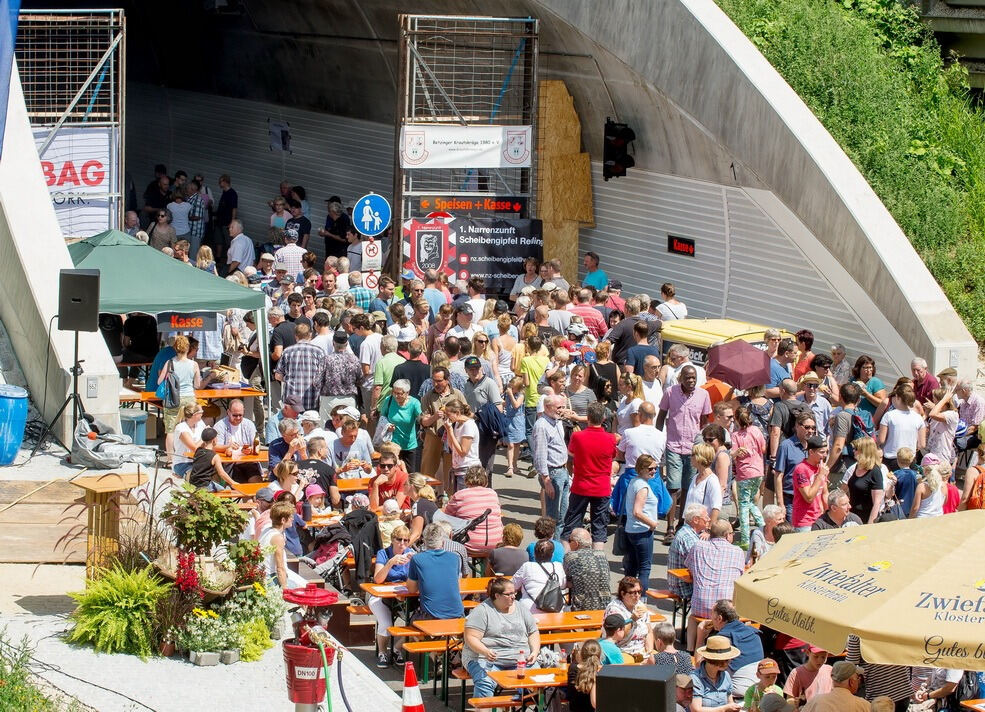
(138, 278)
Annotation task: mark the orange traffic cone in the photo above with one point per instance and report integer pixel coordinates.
(412, 701)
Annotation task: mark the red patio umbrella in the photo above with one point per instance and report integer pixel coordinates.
(738, 363)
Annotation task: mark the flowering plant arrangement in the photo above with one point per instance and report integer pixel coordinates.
(186, 578)
(207, 632)
(247, 559)
(258, 601)
(200, 520)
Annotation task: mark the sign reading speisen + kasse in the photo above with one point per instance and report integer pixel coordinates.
(491, 248)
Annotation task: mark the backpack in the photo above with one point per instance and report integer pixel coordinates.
(967, 689)
(862, 427)
(169, 390)
(976, 499)
(551, 597)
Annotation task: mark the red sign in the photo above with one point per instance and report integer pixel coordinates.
(90, 173)
(680, 245)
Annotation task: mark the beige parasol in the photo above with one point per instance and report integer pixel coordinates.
(912, 590)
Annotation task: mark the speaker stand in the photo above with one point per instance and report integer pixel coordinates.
(78, 409)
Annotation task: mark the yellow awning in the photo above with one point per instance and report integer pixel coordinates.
(912, 590)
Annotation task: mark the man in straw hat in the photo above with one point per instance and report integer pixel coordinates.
(846, 678)
(711, 680)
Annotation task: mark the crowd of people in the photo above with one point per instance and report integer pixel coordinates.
(431, 378)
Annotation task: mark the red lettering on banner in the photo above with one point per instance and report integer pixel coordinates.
(178, 322)
(68, 174)
(92, 172)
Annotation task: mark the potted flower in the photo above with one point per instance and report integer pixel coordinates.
(200, 520)
(260, 602)
(205, 636)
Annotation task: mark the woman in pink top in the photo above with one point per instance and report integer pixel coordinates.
(810, 485)
(748, 453)
(473, 500)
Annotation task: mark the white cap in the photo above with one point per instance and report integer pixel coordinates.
(310, 416)
(406, 333)
(351, 412)
(549, 286)
(390, 506)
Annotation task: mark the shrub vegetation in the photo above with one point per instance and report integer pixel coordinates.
(873, 75)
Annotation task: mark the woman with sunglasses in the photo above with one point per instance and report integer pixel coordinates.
(711, 680)
(392, 566)
(628, 603)
(160, 233)
(705, 489)
(483, 348)
(642, 516)
(495, 631)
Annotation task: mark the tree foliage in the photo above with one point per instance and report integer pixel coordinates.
(873, 75)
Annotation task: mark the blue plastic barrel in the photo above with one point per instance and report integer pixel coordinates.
(13, 416)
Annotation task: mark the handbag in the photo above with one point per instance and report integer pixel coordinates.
(383, 434)
(892, 511)
(169, 390)
(551, 597)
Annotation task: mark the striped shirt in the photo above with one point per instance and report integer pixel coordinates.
(891, 680)
(197, 201)
(302, 367)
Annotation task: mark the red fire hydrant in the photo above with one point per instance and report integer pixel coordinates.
(306, 682)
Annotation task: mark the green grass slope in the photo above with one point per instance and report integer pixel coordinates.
(874, 77)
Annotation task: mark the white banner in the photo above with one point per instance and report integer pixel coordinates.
(80, 169)
(431, 146)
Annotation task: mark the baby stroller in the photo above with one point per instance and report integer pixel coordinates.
(333, 545)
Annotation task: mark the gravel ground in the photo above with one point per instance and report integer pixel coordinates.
(121, 683)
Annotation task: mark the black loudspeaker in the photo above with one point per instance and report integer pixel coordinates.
(636, 688)
(78, 300)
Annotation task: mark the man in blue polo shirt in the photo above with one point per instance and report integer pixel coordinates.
(725, 621)
(434, 576)
(791, 453)
(786, 354)
(594, 277)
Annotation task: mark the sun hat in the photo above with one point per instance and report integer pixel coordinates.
(377, 316)
(718, 647)
(310, 416)
(809, 377)
(313, 491)
(390, 506)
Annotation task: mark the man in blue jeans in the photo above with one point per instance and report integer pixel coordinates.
(497, 632)
(550, 458)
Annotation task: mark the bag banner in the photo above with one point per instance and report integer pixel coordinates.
(437, 146)
(491, 248)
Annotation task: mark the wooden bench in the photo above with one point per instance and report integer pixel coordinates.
(680, 604)
(404, 631)
(424, 648)
(571, 636)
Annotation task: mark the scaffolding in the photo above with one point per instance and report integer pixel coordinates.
(465, 71)
(72, 70)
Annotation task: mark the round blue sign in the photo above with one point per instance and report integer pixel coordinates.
(371, 216)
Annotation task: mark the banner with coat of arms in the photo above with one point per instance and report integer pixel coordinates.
(439, 146)
(491, 248)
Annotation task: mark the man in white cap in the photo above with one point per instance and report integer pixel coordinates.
(464, 322)
(289, 256)
(265, 268)
(310, 422)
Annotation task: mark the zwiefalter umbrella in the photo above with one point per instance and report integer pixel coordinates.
(738, 363)
(913, 590)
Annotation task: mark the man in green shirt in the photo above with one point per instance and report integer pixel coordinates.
(532, 367)
(383, 373)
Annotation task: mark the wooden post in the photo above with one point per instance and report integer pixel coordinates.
(102, 499)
